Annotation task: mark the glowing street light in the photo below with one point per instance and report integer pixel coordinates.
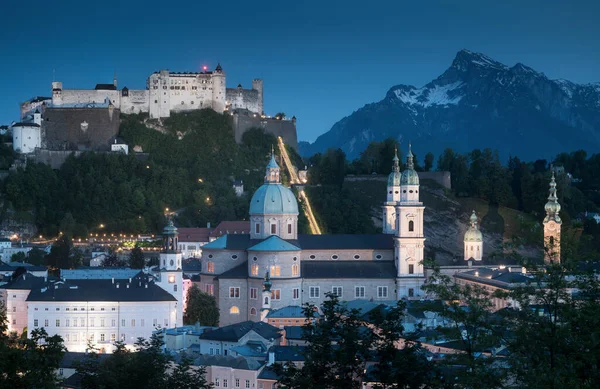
(101, 225)
(200, 180)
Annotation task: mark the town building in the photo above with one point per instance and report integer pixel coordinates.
(191, 241)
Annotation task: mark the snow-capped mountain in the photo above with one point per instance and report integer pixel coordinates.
(477, 103)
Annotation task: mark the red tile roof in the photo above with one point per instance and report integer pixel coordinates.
(194, 234)
(231, 227)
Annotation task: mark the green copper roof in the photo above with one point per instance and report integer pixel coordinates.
(552, 207)
(409, 175)
(394, 179)
(473, 234)
(219, 243)
(273, 199)
(274, 243)
(272, 163)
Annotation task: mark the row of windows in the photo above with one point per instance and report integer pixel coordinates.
(81, 309)
(273, 228)
(73, 337)
(92, 322)
(226, 383)
(335, 256)
(313, 292)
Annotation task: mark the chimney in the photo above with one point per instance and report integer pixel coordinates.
(113, 280)
(117, 285)
(271, 358)
(470, 263)
(127, 286)
(130, 280)
(207, 224)
(146, 285)
(523, 270)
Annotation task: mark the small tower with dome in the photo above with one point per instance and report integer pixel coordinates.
(552, 225)
(473, 241)
(273, 208)
(170, 276)
(393, 196)
(266, 298)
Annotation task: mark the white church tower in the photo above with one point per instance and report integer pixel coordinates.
(171, 275)
(409, 240)
(266, 298)
(473, 241)
(552, 225)
(393, 197)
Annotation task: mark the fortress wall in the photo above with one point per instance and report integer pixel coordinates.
(136, 102)
(286, 129)
(62, 128)
(442, 178)
(82, 96)
(244, 99)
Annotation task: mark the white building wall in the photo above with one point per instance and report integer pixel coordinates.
(76, 322)
(15, 301)
(26, 138)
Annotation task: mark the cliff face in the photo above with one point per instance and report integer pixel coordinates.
(477, 103)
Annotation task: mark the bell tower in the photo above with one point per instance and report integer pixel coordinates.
(393, 196)
(266, 298)
(409, 240)
(552, 226)
(171, 275)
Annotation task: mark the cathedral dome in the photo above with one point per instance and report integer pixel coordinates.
(273, 199)
(473, 235)
(394, 179)
(409, 177)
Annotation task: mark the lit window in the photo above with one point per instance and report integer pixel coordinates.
(314, 292)
(210, 289)
(275, 271)
(113, 338)
(276, 294)
(171, 279)
(210, 267)
(295, 270)
(254, 269)
(382, 291)
(234, 310)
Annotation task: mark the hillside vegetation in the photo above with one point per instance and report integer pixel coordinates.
(190, 169)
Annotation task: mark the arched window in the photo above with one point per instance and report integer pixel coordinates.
(266, 300)
(234, 310)
(253, 311)
(411, 226)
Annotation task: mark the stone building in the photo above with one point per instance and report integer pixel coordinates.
(165, 92)
(304, 268)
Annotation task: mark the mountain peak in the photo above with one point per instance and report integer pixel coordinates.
(466, 59)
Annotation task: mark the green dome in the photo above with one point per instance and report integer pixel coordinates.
(394, 179)
(409, 177)
(552, 207)
(170, 229)
(473, 235)
(273, 199)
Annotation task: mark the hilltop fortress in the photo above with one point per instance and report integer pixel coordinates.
(166, 92)
(88, 119)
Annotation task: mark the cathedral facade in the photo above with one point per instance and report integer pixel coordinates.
(305, 268)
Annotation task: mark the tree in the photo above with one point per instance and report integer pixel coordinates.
(468, 311)
(113, 261)
(36, 257)
(201, 308)
(60, 253)
(29, 362)
(184, 376)
(280, 116)
(428, 163)
(136, 258)
(336, 351)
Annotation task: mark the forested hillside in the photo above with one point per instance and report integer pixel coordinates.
(190, 169)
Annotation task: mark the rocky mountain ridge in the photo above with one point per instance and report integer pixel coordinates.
(477, 103)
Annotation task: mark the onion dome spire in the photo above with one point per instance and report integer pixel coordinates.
(409, 159)
(272, 173)
(552, 207)
(396, 166)
(267, 284)
(473, 234)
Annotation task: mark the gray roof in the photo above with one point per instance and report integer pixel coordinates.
(25, 282)
(192, 264)
(294, 332)
(98, 273)
(288, 353)
(240, 271)
(502, 278)
(142, 288)
(228, 361)
(268, 374)
(289, 311)
(234, 332)
(348, 269)
(317, 242)
(12, 266)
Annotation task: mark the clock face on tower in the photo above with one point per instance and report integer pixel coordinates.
(551, 226)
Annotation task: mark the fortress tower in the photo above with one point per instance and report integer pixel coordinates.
(552, 226)
(257, 85)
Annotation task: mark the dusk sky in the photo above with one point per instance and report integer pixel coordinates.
(320, 60)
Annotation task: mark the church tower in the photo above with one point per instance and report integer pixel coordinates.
(266, 298)
(552, 225)
(409, 240)
(171, 275)
(393, 196)
(473, 241)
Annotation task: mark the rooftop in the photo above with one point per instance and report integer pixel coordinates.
(228, 361)
(194, 234)
(288, 353)
(234, 332)
(231, 227)
(292, 311)
(348, 269)
(502, 278)
(274, 243)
